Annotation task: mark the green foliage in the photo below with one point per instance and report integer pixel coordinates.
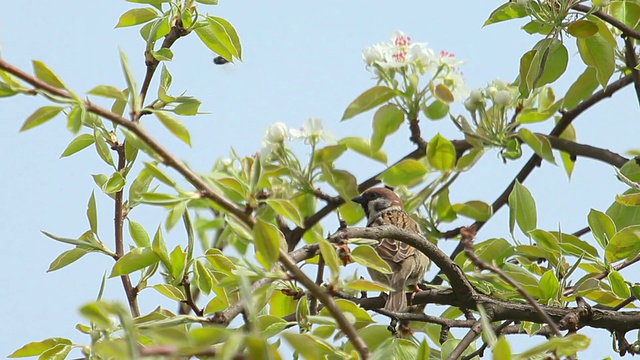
(243, 219)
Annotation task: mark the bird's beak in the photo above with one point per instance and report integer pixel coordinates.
(359, 199)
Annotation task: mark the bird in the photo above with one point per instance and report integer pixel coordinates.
(382, 206)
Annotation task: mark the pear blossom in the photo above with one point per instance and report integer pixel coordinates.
(276, 133)
(449, 59)
(502, 98)
(312, 131)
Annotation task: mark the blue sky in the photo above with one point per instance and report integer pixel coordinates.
(301, 60)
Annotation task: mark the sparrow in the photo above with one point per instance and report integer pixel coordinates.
(383, 207)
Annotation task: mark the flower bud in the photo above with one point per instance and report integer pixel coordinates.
(276, 133)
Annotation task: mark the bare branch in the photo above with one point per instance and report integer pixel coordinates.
(631, 59)
(588, 151)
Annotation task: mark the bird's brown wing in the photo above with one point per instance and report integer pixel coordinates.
(390, 249)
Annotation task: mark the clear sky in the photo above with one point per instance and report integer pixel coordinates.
(301, 59)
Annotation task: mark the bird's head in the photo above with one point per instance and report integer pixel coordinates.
(375, 201)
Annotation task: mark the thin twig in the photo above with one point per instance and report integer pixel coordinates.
(467, 242)
(118, 220)
(631, 59)
(327, 300)
(190, 301)
(466, 341)
(167, 157)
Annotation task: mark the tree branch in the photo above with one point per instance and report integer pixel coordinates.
(328, 302)
(631, 59)
(588, 151)
(464, 343)
(118, 221)
(167, 157)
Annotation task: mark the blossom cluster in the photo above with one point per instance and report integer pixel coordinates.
(402, 56)
(501, 94)
(312, 132)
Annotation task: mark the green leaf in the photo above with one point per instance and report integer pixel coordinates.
(625, 243)
(267, 238)
(175, 126)
(476, 210)
(522, 208)
(76, 118)
(38, 347)
(67, 258)
(115, 183)
(582, 29)
(170, 291)
(436, 110)
(508, 11)
(622, 215)
(108, 91)
(103, 149)
(136, 17)
(160, 199)
(160, 248)
(627, 12)
(367, 285)
(363, 147)
(367, 256)
(548, 63)
(203, 277)
(441, 153)
(581, 89)
(568, 160)
(136, 259)
(330, 256)
(328, 154)
(42, 72)
(131, 83)
(529, 116)
(92, 213)
(629, 199)
(549, 286)
(164, 54)
(78, 143)
(539, 143)
(502, 350)
(386, 121)
(139, 234)
(599, 53)
(286, 209)
(368, 100)
(602, 227)
(187, 106)
(618, 285)
(406, 172)
(41, 116)
(154, 170)
(227, 34)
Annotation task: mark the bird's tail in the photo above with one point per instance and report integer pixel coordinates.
(397, 300)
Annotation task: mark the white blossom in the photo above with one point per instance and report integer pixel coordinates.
(311, 131)
(502, 98)
(276, 133)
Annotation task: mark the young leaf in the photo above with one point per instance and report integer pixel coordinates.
(154, 170)
(623, 244)
(103, 149)
(599, 53)
(522, 208)
(386, 121)
(441, 153)
(267, 239)
(38, 347)
(136, 259)
(67, 258)
(368, 257)
(507, 11)
(108, 91)
(42, 72)
(581, 89)
(477, 210)
(549, 286)
(115, 183)
(582, 29)
(40, 116)
(330, 256)
(227, 34)
(539, 143)
(406, 172)
(368, 100)
(136, 17)
(131, 83)
(363, 147)
(209, 37)
(92, 213)
(287, 209)
(175, 126)
(160, 248)
(618, 285)
(80, 142)
(602, 227)
(139, 234)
